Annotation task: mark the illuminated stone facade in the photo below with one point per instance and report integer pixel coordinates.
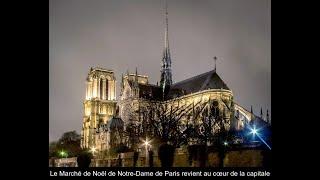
(99, 104)
(103, 125)
(137, 95)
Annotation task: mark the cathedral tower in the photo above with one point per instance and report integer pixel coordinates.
(99, 105)
(166, 75)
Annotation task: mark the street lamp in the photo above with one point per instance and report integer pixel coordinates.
(63, 153)
(255, 132)
(147, 144)
(225, 143)
(93, 150)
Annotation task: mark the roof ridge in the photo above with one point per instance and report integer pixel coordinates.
(193, 77)
(153, 85)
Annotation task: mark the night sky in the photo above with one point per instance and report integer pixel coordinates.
(123, 34)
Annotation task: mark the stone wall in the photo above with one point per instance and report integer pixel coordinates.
(213, 160)
(243, 158)
(181, 160)
(63, 162)
(233, 158)
(238, 158)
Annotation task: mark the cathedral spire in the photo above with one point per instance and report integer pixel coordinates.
(136, 84)
(166, 40)
(166, 76)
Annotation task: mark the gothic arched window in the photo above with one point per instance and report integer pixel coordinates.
(107, 89)
(101, 88)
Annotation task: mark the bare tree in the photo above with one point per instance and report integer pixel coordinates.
(199, 123)
(207, 125)
(164, 120)
(215, 127)
(132, 123)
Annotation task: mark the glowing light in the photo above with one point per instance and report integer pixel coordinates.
(93, 149)
(146, 142)
(225, 143)
(63, 153)
(254, 131)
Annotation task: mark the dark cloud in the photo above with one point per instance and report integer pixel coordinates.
(124, 34)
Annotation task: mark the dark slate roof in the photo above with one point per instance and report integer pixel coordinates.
(208, 80)
(150, 91)
(115, 123)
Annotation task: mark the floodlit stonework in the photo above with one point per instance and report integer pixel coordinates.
(99, 104)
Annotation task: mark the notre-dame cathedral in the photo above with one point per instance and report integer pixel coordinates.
(203, 102)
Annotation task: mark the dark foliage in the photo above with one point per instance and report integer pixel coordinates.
(84, 160)
(166, 155)
(135, 158)
(150, 158)
(122, 149)
(198, 153)
(119, 161)
(69, 143)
